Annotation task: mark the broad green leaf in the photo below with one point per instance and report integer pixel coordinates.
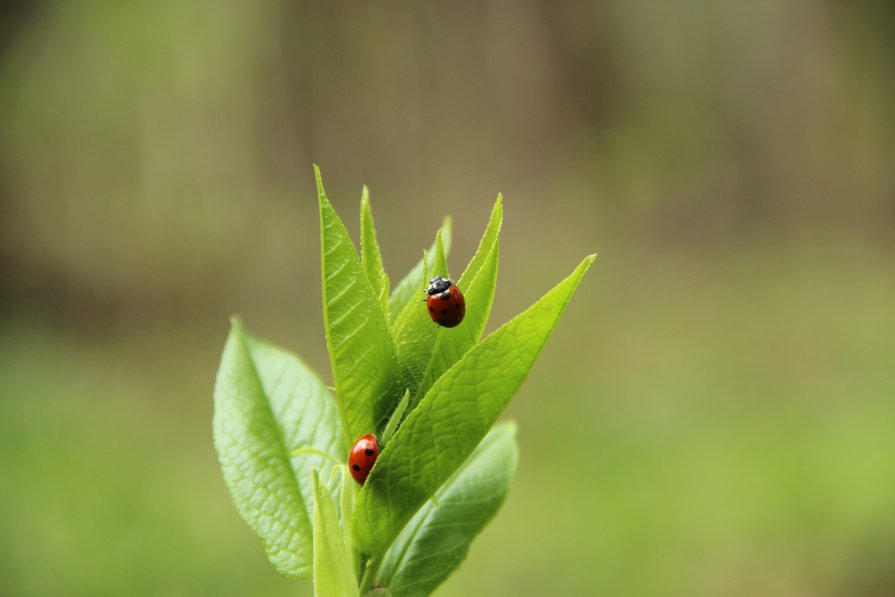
(453, 417)
(365, 370)
(370, 255)
(415, 332)
(333, 572)
(267, 402)
(409, 288)
(437, 538)
(477, 283)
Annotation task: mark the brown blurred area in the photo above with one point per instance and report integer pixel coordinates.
(729, 359)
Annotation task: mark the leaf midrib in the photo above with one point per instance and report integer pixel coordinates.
(326, 277)
(280, 433)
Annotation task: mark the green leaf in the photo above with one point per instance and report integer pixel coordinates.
(346, 507)
(395, 420)
(489, 239)
(370, 255)
(409, 289)
(333, 574)
(453, 417)
(477, 283)
(437, 538)
(415, 332)
(313, 452)
(267, 402)
(365, 370)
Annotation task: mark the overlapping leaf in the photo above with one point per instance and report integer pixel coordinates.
(365, 369)
(415, 333)
(267, 402)
(371, 258)
(477, 283)
(333, 573)
(453, 417)
(438, 537)
(409, 288)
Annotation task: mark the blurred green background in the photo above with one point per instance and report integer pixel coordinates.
(715, 415)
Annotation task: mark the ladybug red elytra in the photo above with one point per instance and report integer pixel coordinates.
(445, 303)
(362, 457)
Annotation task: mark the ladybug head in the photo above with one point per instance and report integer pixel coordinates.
(437, 285)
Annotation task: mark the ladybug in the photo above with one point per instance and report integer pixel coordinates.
(446, 303)
(362, 457)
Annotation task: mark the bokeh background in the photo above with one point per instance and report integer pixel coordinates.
(715, 414)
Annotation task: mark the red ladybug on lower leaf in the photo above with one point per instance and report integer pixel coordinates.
(446, 304)
(362, 457)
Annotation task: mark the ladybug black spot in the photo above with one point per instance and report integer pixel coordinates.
(368, 451)
(431, 310)
(444, 311)
(356, 467)
(457, 305)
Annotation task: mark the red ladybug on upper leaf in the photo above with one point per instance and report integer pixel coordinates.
(362, 457)
(446, 304)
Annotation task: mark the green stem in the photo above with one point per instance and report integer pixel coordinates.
(366, 582)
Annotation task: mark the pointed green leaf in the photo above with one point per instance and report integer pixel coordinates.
(489, 239)
(453, 417)
(333, 573)
(365, 370)
(266, 403)
(415, 332)
(370, 255)
(395, 420)
(477, 283)
(346, 507)
(438, 537)
(409, 288)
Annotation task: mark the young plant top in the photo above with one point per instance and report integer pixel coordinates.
(414, 403)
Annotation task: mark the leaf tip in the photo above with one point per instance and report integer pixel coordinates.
(321, 193)
(235, 324)
(497, 210)
(584, 266)
(439, 266)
